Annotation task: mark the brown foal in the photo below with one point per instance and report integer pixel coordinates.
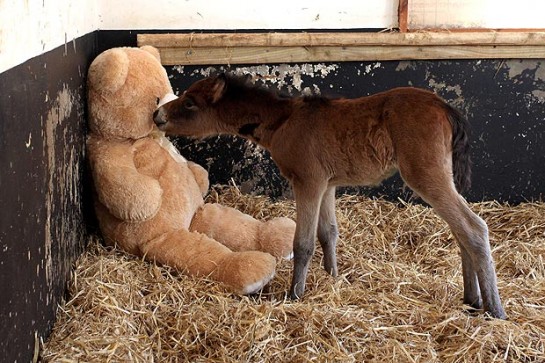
(319, 144)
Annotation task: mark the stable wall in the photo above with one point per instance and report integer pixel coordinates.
(46, 48)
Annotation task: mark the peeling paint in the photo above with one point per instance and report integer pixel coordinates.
(368, 68)
(59, 112)
(404, 65)
(530, 67)
(29, 141)
(179, 69)
(440, 87)
(282, 75)
(522, 71)
(539, 95)
(516, 67)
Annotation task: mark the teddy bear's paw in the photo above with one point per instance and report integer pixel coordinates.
(248, 272)
(256, 286)
(289, 256)
(276, 237)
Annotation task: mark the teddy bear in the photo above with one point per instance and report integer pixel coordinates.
(149, 200)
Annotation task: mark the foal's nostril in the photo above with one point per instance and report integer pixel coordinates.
(158, 118)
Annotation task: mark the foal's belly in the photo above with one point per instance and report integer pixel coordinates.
(369, 178)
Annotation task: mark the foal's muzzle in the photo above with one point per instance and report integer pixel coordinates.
(159, 117)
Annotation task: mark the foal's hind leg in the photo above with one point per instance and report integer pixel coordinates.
(472, 292)
(434, 184)
(328, 231)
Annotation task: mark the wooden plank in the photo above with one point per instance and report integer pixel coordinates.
(254, 48)
(261, 55)
(403, 15)
(223, 40)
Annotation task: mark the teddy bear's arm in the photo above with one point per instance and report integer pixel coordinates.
(201, 176)
(126, 193)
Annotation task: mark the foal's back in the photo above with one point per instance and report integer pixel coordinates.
(357, 141)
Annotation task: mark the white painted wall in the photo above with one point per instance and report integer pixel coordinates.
(476, 14)
(248, 14)
(31, 27)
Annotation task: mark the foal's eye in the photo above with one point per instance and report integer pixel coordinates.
(189, 104)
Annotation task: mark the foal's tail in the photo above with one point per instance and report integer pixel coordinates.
(461, 161)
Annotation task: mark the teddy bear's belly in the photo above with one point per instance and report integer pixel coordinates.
(150, 159)
(175, 213)
(180, 199)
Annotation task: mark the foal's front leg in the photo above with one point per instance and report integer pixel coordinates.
(308, 198)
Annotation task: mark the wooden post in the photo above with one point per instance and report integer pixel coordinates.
(403, 15)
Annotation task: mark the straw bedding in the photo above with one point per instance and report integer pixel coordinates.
(398, 297)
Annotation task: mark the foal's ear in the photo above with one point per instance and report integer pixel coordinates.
(219, 87)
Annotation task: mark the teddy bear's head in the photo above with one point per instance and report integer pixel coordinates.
(121, 105)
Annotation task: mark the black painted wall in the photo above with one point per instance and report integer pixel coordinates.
(42, 223)
(503, 99)
(45, 216)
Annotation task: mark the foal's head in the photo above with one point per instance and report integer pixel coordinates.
(214, 105)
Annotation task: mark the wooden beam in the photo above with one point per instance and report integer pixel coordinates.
(223, 40)
(262, 55)
(255, 48)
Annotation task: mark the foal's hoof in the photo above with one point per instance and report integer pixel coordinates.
(474, 304)
(495, 310)
(498, 314)
(472, 311)
(296, 293)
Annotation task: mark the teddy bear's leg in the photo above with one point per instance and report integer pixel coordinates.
(276, 236)
(198, 255)
(241, 232)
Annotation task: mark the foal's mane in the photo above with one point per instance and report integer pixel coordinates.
(242, 87)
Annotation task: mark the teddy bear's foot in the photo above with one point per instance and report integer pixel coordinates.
(276, 237)
(246, 272)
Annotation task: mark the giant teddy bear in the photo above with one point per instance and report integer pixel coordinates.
(149, 199)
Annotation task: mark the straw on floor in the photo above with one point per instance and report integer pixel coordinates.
(398, 297)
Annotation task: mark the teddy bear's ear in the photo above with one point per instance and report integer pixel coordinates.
(108, 72)
(153, 51)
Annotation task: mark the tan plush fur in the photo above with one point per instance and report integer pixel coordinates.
(149, 200)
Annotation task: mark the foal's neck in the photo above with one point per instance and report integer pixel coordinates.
(260, 117)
